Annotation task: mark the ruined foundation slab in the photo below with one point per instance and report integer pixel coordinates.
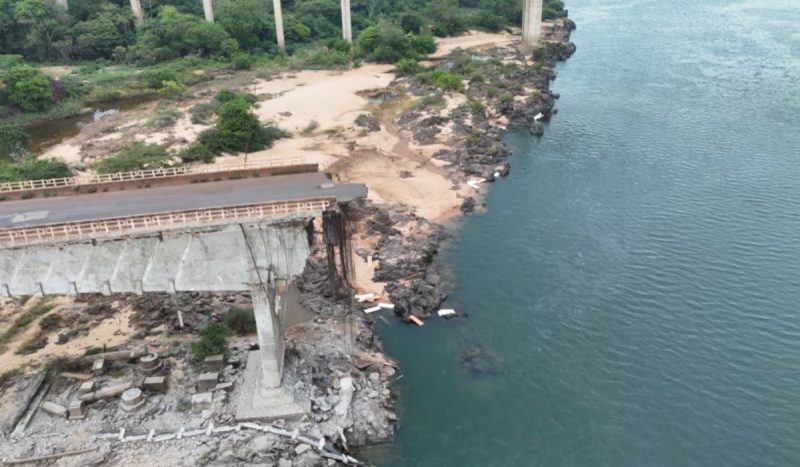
(255, 402)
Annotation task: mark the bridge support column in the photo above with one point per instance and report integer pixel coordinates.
(276, 6)
(531, 22)
(347, 23)
(63, 4)
(270, 337)
(208, 10)
(138, 12)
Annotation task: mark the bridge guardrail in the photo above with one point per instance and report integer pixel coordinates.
(166, 172)
(110, 227)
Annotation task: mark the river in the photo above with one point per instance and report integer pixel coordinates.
(636, 276)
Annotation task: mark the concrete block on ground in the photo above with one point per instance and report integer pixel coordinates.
(87, 387)
(77, 410)
(228, 386)
(214, 362)
(208, 381)
(151, 364)
(202, 401)
(54, 409)
(155, 384)
(99, 366)
(132, 400)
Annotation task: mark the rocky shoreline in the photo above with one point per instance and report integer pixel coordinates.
(505, 91)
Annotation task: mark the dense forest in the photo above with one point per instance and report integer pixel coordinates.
(43, 31)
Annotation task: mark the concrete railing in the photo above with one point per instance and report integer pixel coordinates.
(150, 174)
(111, 227)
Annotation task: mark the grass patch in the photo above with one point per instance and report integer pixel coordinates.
(213, 341)
(433, 101)
(164, 118)
(50, 322)
(34, 169)
(242, 321)
(312, 125)
(136, 157)
(7, 376)
(204, 112)
(32, 345)
(441, 79)
(26, 319)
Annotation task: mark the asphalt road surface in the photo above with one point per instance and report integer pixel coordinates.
(14, 214)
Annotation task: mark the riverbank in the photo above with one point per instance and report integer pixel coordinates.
(426, 153)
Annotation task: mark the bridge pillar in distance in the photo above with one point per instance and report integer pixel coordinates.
(531, 22)
(270, 337)
(208, 10)
(347, 23)
(138, 12)
(276, 6)
(63, 4)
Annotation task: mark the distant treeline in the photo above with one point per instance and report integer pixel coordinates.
(42, 31)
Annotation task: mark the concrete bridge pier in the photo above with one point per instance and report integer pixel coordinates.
(347, 23)
(270, 336)
(531, 22)
(276, 6)
(208, 10)
(63, 4)
(138, 12)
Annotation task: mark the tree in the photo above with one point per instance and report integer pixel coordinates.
(237, 128)
(13, 142)
(45, 27)
(28, 88)
(174, 34)
(97, 37)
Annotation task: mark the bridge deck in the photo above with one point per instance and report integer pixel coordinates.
(33, 212)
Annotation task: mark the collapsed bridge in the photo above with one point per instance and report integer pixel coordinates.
(235, 235)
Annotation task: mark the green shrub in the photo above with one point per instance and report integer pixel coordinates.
(320, 58)
(227, 95)
(28, 88)
(407, 67)
(441, 79)
(213, 341)
(506, 98)
(8, 61)
(164, 118)
(155, 78)
(476, 108)
(433, 101)
(197, 153)
(340, 45)
(50, 322)
(34, 169)
(239, 130)
(387, 43)
(210, 140)
(312, 125)
(242, 321)
(204, 112)
(423, 44)
(13, 142)
(173, 34)
(135, 157)
(242, 61)
(170, 88)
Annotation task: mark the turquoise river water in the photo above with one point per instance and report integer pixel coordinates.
(637, 276)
